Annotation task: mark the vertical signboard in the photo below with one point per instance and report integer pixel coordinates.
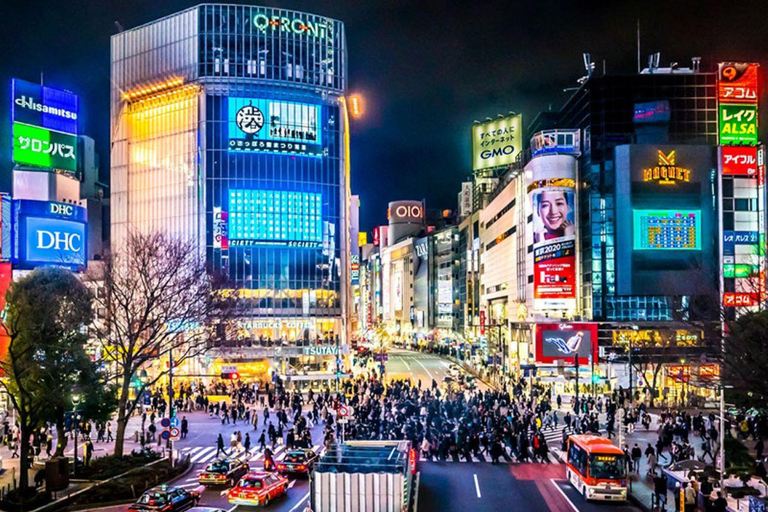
(220, 237)
(737, 93)
(552, 193)
(466, 199)
(44, 126)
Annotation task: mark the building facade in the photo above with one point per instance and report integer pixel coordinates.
(230, 131)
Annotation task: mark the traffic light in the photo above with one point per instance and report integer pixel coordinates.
(230, 375)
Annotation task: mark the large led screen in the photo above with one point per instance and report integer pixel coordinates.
(272, 126)
(566, 342)
(667, 229)
(275, 217)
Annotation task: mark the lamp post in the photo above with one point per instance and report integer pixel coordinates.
(75, 402)
(143, 378)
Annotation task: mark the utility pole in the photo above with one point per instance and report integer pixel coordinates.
(576, 363)
(170, 398)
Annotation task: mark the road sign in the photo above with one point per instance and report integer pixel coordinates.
(165, 423)
(343, 411)
(165, 434)
(174, 434)
(174, 421)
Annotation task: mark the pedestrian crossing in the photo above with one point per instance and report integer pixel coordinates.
(205, 454)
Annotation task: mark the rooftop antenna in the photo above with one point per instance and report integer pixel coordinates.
(638, 45)
(119, 27)
(588, 64)
(696, 61)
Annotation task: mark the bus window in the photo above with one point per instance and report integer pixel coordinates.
(607, 467)
(577, 457)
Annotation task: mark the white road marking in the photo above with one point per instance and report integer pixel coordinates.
(425, 368)
(554, 482)
(477, 487)
(194, 478)
(232, 509)
(225, 491)
(203, 454)
(297, 505)
(187, 485)
(291, 483)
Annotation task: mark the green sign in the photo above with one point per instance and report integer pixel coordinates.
(41, 147)
(738, 124)
(741, 270)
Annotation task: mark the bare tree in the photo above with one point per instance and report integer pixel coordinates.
(156, 297)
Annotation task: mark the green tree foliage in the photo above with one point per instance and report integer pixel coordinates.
(47, 313)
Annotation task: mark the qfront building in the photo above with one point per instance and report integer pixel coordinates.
(229, 129)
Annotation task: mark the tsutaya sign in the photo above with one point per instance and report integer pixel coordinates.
(667, 173)
(292, 25)
(327, 350)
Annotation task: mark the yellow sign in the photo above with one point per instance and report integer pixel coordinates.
(667, 173)
(497, 143)
(362, 238)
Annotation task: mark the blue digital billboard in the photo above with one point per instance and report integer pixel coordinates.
(275, 217)
(49, 233)
(274, 126)
(667, 229)
(44, 107)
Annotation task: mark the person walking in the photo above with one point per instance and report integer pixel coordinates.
(184, 427)
(220, 445)
(247, 443)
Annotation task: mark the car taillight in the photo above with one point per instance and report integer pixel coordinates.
(281, 466)
(301, 467)
(220, 477)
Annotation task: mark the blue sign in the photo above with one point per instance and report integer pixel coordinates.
(272, 126)
(49, 233)
(275, 217)
(44, 107)
(740, 238)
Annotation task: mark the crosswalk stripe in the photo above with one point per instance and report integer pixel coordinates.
(202, 453)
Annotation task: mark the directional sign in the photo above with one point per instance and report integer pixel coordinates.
(174, 421)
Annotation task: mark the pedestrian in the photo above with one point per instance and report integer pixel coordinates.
(637, 454)
(247, 443)
(220, 445)
(184, 427)
(719, 504)
(263, 440)
(109, 432)
(660, 490)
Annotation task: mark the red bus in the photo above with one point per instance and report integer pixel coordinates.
(597, 468)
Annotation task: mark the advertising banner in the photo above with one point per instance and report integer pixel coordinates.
(553, 203)
(737, 82)
(497, 143)
(565, 342)
(738, 124)
(220, 237)
(41, 147)
(274, 217)
(49, 233)
(262, 125)
(667, 229)
(44, 107)
(739, 161)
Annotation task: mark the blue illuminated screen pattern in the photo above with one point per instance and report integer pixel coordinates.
(667, 229)
(275, 217)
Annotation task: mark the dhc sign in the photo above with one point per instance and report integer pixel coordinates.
(49, 233)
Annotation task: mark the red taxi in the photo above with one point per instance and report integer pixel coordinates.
(258, 488)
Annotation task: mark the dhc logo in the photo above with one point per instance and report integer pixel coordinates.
(59, 241)
(62, 209)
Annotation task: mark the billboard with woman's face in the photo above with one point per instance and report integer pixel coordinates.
(551, 188)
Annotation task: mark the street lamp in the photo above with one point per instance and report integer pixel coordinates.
(143, 378)
(75, 402)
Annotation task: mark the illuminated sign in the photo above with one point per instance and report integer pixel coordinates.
(556, 141)
(734, 300)
(667, 173)
(271, 126)
(6, 227)
(295, 26)
(327, 350)
(44, 107)
(274, 217)
(354, 270)
(652, 112)
(738, 124)
(405, 211)
(50, 233)
(220, 238)
(650, 338)
(362, 238)
(496, 143)
(737, 82)
(667, 229)
(732, 270)
(565, 342)
(41, 147)
(739, 161)
(740, 237)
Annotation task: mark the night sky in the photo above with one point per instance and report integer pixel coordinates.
(427, 68)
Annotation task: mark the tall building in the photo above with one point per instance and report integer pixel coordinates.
(230, 130)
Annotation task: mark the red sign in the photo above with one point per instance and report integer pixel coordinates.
(739, 161)
(482, 322)
(6, 278)
(413, 456)
(376, 237)
(737, 83)
(734, 300)
(564, 342)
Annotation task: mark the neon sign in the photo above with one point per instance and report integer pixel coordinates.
(291, 25)
(667, 173)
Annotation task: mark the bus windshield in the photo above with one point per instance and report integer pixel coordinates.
(607, 466)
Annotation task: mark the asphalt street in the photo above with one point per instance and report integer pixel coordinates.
(477, 486)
